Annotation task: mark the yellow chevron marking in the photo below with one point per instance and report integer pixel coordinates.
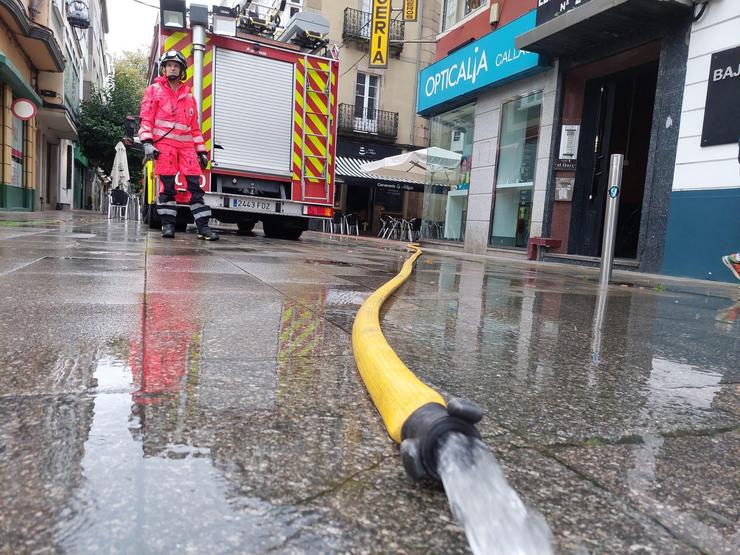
(207, 124)
(207, 101)
(321, 105)
(172, 40)
(208, 57)
(319, 146)
(207, 80)
(188, 50)
(318, 123)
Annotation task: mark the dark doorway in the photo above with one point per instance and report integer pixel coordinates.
(359, 203)
(617, 119)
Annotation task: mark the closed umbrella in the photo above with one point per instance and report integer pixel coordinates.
(119, 174)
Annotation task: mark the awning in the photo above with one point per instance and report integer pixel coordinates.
(351, 167)
(38, 42)
(598, 21)
(58, 123)
(10, 74)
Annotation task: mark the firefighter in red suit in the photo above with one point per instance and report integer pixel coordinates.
(171, 135)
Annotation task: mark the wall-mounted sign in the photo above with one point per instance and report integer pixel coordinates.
(418, 187)
(409, 10)
(23, 108)
(565, 165)
(550, 9)
(491, 60)
(564, 188)
(379, 31)
(721, 115)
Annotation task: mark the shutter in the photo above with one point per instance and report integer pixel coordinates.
(252, 113)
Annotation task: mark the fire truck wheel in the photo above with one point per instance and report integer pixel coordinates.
(280, 229)
(245, 226)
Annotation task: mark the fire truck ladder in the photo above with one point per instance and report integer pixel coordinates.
(309, 171)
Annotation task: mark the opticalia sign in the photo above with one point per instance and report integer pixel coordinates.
(491, 60)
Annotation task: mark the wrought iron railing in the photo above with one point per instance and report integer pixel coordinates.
(357, 119)
(357, 26)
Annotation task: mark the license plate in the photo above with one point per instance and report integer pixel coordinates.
(250, 204)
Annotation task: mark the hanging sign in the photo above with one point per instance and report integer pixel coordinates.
(721, 114)
(550, 9)
(23, 108)
(491, 60)
(380, 29)
(409, 10)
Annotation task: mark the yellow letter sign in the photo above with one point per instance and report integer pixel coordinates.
(381, 23)
(409, 10)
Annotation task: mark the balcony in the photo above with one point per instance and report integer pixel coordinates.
(357, 27)
(361, 121)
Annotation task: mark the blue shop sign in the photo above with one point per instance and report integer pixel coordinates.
(491, 60)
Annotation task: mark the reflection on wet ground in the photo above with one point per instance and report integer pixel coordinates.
(174, 395)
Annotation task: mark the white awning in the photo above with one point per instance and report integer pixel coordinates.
(352, 167)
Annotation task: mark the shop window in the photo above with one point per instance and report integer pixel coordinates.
(70, 166)
(457, 10)
(517, 159)
(366, 103)
(446, 193)
(17, 151)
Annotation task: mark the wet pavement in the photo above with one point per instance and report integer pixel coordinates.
(159, 396)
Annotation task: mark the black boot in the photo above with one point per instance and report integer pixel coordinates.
(206, 233)
(168, 231)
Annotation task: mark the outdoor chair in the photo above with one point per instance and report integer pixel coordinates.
(351, 223)
(337, 221)
(117, 204)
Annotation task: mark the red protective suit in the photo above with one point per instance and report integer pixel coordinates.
(170, 120)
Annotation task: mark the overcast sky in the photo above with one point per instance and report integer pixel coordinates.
(130, 24)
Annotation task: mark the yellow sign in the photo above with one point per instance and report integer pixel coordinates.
(380, 30)
(409, 10)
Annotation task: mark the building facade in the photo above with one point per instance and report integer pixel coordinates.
(491, 108)
(704, 206)
(46, 56)
(377, 117)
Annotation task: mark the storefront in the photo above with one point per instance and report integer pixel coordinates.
(621, 96)
(370, 197)
(492, 105)
(704, 209)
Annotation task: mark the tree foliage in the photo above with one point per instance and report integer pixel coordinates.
(102, 117)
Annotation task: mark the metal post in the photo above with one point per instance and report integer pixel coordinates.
(610, 224)
(199, 47)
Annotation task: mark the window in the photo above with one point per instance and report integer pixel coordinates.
(456, 10)
(366, 103)
(448, 175)
(19, 128)
(292, 7)
(70, 166)
(517, 158)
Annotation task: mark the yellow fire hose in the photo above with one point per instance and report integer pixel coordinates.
(414, 414)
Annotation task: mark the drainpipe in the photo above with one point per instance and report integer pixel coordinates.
(418, 64)
(199, 47)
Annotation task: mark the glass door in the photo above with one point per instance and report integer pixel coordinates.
(366, 103)
(517, 159)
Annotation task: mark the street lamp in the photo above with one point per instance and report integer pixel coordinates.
(172, 13)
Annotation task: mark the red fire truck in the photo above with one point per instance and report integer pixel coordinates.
(267, 109)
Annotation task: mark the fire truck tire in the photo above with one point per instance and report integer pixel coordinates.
(245, 226)
(281, 228)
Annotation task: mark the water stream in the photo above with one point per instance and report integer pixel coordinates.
(493, 516)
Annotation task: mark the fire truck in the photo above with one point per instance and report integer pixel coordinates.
(267, 100)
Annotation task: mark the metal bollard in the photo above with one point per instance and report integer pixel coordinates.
(616, 164)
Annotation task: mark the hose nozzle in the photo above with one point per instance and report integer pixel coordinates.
(423, 430)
